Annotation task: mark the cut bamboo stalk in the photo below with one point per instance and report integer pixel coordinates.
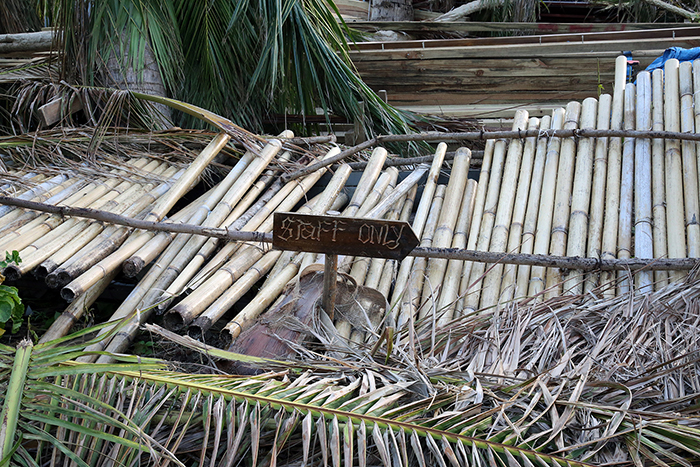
(190, 176)
(445, 229)
(367, 181)
(129, 206)
(260, 303)
(115, 260)
(108, 240)
(160, 241)
(581, 195)
(390, 266)
(600, 170)
(475, 226)
(490, 290)
(200, 298)
(36, 191)
(398, 193)
(658, 171)
(533, 204)
(473, 289)
(544, 216)
(411, 298)
(452, 278)
(284, 200)
(515, 232)
(376, 267)
(612, 190)
(10, 222)
(239, 216)
(384, 185)
(418, 225)
(643, 229)
(624, 235)
(77, 309)
(675, 212)
(690, 161)
(227, 299)
(562, 198)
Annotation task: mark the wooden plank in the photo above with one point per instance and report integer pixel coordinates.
(483, 111)
(488, 26)
(580, 38)
(472, 98)
(563, 50)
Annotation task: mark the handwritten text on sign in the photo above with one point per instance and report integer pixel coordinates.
(343, 235)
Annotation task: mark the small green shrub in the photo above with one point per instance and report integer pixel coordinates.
(11, 306)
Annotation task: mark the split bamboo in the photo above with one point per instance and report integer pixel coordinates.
(533, 204)
(658, 177)
(675, 212)
(643, 218)
(581, 195)
(544, 216)
(515, 232)
(624, 236)
(491, 288)
(600, 170)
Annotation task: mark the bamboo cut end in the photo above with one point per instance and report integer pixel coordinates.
(133, 266)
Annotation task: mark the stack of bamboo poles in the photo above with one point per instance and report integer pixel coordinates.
(605, 197)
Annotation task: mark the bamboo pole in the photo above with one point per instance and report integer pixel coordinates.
(475, 226)
(581, 195)
(544, 216)
(562, 198)
(675, 212)
(690, 160)
(612, 190)
(491, 288)
(643, 218)
(411, 297)
(658, 177)
(515, 232)
(114, 261)
(533, 204)
(367, 181)
(418, 225)
(471, 301)
(190, 176)
(108, 241)
(452, 278)
(600, 170)
(444, 231)
(36, 191)
(624, 236)
(388, 202)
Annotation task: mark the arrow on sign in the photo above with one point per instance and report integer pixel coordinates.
(343, 235)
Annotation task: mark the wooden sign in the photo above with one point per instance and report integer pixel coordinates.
(343, 235)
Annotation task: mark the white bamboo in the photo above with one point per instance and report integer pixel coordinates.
(410, 298)
(612, 189)
(690, 161)
(491, 288)
(581, 195)
(600, 170)
(624, 235)
(562, 199)
(515, 233)
(444, 232)
(658, 177)
(544, 216)
(675, 212)
(643, 229)
(417, 226)
(533, 205)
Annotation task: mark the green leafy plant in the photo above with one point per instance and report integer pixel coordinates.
(11, 306)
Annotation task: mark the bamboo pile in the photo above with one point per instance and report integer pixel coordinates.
(574, 196)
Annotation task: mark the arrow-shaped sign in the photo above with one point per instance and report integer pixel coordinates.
(343, 235)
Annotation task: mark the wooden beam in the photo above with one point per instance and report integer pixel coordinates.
(28, 42)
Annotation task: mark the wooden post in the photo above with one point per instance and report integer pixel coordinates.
(391, 10)
(330, 284)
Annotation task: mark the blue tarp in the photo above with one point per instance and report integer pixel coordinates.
(683, 55)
